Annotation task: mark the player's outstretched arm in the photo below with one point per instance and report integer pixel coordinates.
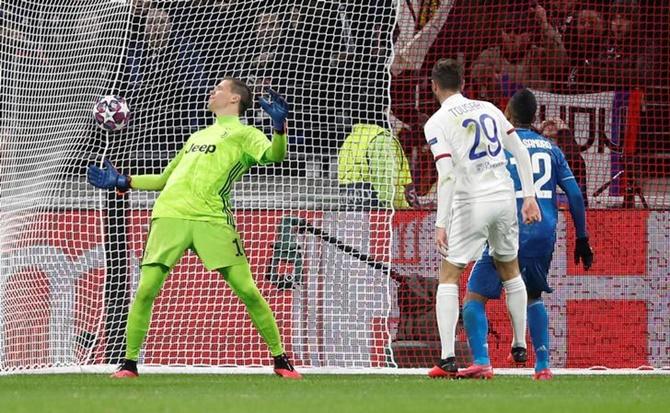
(278, 109)
(156, 182)
(108, 177)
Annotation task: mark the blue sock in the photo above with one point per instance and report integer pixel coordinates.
(538, 324)
(477, 329)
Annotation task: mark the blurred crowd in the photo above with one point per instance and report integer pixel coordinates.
(330, 58)
(559, 46)
(304, 49)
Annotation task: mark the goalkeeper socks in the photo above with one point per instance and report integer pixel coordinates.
(264, 321)
(152, 277)
(477, 329)
(130, 365)
(447, 317)
(538, 324)
(517, 300)
(240, 280)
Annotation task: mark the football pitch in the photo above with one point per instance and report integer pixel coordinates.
(89, 393)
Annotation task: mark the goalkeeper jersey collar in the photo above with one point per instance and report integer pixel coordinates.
(227, 120)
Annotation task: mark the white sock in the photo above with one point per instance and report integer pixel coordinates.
(447, 317)
(517, 300)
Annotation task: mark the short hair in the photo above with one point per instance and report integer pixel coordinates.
(523, 106)
(448, 74)
(240, 88)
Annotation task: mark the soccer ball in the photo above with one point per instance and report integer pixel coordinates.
(111, 113)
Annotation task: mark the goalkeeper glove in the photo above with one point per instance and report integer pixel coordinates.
(277, 109)
(583, 251)
(107, 177)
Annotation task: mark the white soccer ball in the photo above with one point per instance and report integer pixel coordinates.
(111, 113)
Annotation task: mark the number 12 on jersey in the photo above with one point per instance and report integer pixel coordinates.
(541, 162)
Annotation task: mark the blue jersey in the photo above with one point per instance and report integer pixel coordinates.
(550, 169)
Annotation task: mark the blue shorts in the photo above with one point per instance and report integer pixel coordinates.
(484, 279)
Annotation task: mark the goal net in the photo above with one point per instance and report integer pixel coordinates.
(71, 254)
(339, 237)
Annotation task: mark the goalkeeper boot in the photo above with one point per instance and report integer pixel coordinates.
(127, 370)
(542, 375)
(284, 368)
(518, 356)
(445, 368)
(476, 371)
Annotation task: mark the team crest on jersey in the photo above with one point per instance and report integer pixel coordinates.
(432, 141)
(224, 134)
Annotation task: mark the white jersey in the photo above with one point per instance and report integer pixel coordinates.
(469, 139)
(473, 134)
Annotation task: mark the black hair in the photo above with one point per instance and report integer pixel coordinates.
(523, 106)
(448, 74)
(240, 88)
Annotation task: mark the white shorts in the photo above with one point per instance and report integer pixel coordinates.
(471, 225)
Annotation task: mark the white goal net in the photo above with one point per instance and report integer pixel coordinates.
(70, 254)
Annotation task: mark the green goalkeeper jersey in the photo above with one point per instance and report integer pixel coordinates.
(201, 176)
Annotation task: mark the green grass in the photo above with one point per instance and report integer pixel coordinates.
(321, 393)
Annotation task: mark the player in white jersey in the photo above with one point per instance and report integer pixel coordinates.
(476, 201)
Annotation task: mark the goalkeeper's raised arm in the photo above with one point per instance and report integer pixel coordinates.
(108, 177)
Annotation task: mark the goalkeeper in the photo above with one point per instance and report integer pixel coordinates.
(193, 211)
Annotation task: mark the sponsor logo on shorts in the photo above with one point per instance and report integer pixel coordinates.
(432, 141)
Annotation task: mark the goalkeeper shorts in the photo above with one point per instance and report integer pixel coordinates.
(216, 243)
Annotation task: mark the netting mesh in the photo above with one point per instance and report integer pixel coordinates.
(340, 235)
(56, 59)
(328, 59)
(599, 72)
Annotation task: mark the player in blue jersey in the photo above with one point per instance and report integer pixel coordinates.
(536, 245)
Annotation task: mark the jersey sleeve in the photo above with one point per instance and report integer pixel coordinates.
(445, 191)
(157, 182)
(437, 139)
(566, 181)
(255, 144)
(442, 152)
(563, 171)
